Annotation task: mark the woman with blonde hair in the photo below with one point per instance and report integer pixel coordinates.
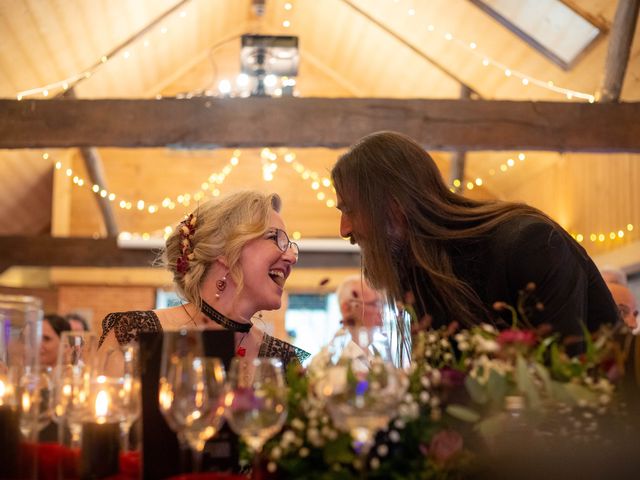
(230, 259)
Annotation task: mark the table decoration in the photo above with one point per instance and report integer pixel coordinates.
(20, 335)
(101, 431)
(480, 402)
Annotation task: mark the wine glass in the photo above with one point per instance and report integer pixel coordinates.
(72, 381)
(129, 399)
(36, 401)
(256, 400)
(191, 400)
(361, 386)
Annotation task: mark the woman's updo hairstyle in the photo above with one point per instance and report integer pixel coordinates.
(217, 228)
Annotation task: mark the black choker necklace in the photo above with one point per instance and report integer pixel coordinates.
(223, 321)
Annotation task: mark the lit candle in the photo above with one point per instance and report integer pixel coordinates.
(9, 432)
(100, 440)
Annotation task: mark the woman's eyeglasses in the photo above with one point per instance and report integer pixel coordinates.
(281, 239)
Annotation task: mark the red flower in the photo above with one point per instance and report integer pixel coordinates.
(445, 445)
(514, 336)
(451, 377)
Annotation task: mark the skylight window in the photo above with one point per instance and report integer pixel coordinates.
(550, 26)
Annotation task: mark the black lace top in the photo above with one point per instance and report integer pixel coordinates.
(127, 326)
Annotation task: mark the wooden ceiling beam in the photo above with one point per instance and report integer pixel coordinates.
(319, 122)
(622, 32)
(46, 251)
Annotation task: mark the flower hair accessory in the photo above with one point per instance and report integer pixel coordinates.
(187, 228)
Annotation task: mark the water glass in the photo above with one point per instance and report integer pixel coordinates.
(256, 400)
(20, 382)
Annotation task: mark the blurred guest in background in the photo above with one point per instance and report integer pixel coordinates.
(77, 322)
(230, 259)
(612, 274)
(360, 305)
(627, 305)
(52, 327)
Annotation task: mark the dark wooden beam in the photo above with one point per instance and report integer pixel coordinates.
(622, 31)
(45, 251)
(319, 122)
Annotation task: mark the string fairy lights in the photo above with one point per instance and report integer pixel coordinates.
(504, 167)
(226, 87)
(123, 48)
(486, 61)
(208, 187)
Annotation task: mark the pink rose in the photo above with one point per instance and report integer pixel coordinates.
(514, 336)
(445, 445)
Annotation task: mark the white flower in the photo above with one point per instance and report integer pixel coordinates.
(394, 436)
(399, 423)
(382, 450)
(425, 382)
(374, 463)
(276, 453)
(288, 437)
(304, 452)
(408, 398)
(485, 345)
(463, 346)
(424, 397)
(488, 328)
(272, 467)
(604, 399)
(297, 424)
(436, 377)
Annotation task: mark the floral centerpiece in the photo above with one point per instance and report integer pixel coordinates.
(471, 395)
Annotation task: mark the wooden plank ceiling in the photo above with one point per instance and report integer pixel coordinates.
(343, 53)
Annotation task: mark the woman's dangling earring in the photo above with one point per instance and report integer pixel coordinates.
(221, 285)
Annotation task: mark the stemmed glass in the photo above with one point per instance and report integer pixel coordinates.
(191, 400)
(127, 378)
(361, 386)
(72, 381)
(256, 401)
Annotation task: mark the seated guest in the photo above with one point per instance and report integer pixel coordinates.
(230, 259)
(455, 256)
(627, 305)
(77, 322)
(612, 274)
(52, 327)
(360, 305)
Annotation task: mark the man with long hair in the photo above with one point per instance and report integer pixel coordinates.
(456, 256)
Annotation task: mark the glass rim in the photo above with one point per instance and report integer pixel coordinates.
(18, 300)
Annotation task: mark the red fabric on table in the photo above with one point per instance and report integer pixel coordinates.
(53, 456)
(209, 476)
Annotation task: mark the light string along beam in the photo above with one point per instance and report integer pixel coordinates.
(525, 79)
(226, 87)
(71, 81)
(479, 181)
(208, 187)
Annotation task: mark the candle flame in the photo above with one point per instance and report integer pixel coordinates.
(26, 402)
(102, 404)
